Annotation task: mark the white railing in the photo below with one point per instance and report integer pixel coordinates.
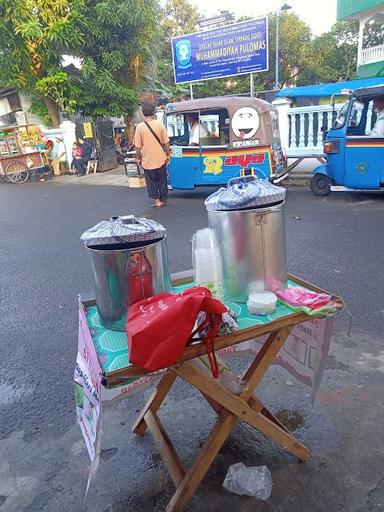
(305, 129)
(370, 55)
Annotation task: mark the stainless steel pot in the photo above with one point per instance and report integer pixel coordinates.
(124, 276)
(252, 243)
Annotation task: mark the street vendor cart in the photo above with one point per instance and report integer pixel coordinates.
(20, 152)
(136, 330)
(103, 367)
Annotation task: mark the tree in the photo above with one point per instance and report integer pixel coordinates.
(334, 55)
(111, 38)
(295, 50)
(178, 17)
(33, 37)
(119, 42)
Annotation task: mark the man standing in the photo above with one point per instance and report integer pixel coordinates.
(153, 153)
(58, 162)
(378, 108)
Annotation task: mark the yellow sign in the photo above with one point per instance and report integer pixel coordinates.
(213, 165)
(88, 134)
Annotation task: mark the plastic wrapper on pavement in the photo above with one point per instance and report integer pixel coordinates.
(254, 481)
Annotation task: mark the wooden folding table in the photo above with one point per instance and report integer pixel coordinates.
(230, 407)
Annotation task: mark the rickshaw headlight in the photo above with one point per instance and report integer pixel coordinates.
(331, 146)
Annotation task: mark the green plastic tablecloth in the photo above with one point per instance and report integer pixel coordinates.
(112, 346)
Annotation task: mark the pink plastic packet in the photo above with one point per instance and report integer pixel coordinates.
(300, 297)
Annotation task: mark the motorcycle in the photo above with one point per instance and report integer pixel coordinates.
(121, 152)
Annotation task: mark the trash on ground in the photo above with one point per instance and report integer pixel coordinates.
(254, 481)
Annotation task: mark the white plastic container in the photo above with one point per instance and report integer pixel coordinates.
(207, 263)
(261, 303)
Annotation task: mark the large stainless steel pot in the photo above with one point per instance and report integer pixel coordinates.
(125, 276)
(252, 243)
(130, 262)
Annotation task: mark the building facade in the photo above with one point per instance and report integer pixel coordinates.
(15, 109)
(370, 60)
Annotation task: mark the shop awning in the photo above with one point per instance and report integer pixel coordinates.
(328, 89)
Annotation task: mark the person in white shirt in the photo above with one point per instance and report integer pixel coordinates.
(58, 163)
(378, 108)
(197, 130)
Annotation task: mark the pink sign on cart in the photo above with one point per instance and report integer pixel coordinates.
(303, 354)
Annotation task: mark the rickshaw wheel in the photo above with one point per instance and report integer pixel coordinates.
(320, 185)
(16, 172)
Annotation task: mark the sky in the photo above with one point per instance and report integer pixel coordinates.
(320, 15)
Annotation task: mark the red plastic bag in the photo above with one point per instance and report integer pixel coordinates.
(160, 327)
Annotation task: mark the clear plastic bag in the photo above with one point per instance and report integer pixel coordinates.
(254, 481)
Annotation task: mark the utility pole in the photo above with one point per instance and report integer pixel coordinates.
(284, 7)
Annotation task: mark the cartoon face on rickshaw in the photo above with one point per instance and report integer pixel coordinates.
(213, 139)
(354, 145)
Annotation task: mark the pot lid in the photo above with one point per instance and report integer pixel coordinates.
(245, 192)
(123, 230)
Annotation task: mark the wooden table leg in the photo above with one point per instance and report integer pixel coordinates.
(227, 419)
(233, 407)
(206, 456)
(263, 361)
(153, 404)
(242, 410)
(165, 446)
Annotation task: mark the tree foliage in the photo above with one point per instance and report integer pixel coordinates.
(33, 36)
(177, 17)
(116, 53)
(295, 50)
(111, 38)
(124, 46)
(334, 55)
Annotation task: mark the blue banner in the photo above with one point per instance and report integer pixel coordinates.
(226, 51)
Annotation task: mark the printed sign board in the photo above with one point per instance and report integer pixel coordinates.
(88, 134)
(236, 49)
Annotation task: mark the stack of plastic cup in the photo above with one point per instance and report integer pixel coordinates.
(207, 263)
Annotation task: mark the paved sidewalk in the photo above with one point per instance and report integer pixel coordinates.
(114, 177)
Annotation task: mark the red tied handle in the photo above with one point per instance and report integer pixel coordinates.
(210, 346)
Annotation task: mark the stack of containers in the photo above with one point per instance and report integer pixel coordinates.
(207, 262)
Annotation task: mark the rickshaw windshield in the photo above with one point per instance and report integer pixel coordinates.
(213, 128)
(355, 114)
(341, 118)
(354, 118)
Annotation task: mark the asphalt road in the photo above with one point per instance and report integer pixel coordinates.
(336, 242)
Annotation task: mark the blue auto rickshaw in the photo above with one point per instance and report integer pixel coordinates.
(235, 133)
(354, 152)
